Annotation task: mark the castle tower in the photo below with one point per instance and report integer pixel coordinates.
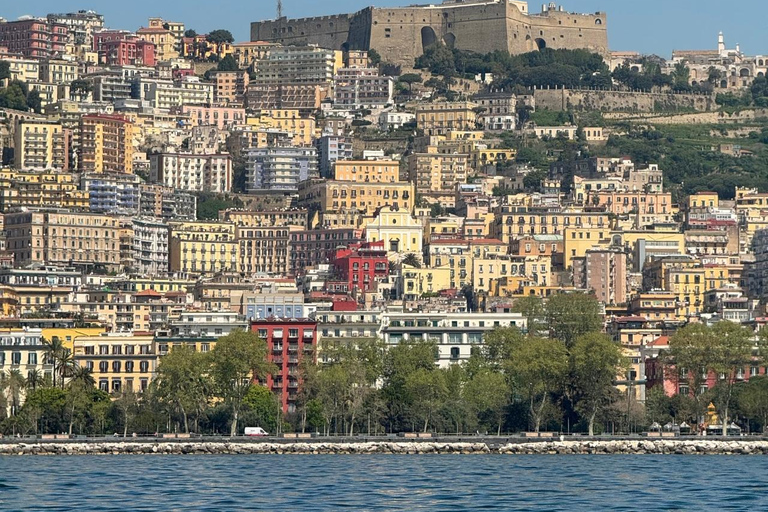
(721, 44)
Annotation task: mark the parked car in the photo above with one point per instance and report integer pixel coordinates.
(255, 432)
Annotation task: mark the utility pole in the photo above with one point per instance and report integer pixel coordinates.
(279, 9)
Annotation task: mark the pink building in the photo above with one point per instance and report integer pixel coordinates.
(214, 115)
(128, 52)
(34, 38)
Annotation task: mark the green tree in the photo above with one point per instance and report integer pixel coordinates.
(533, 310)
(237, 360)
(14, 96)
(374, 58)
(733, 352)
(34, 102)
(752, 400)
(60, 358)
(46, 406)
(5, 70)
(127, 403)
(595, 363)
(79, 394)
(409, 79)
(572, 315)
(400, 362)
(428, 390)
(182, 381)
(228, 63)
(262, 406)
(488, 396)
(220, 36)
(190, 33)
(689, 359)
(12, 383)
(539, 368)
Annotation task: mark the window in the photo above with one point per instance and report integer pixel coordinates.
(32, 358)
(116, 366)
(103, 367)
(455, 352)
(129, 366)
(144, 366)
(16, 358)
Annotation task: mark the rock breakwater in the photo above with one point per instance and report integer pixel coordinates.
(581, 447)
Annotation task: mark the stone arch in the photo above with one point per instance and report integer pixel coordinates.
(636, 69)
(760, 74)
(760, 62)
(744, 72)
(428, 37)
(449, 39)
(598, 21)
(541, 43)
(723, 84)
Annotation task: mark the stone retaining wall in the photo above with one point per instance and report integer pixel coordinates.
(688, 447)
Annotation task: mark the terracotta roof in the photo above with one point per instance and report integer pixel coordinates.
(659, 342)
(630, 319)
(149, 293)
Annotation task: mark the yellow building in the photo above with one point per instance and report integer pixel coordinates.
(23, 350)
(419, 281)
(67, 336)
(339, 196)
(165, 35)
(57, 71)
(449, 227)
(578, 240)
(249, 54)
(41, 145)
(106, 143)
(301, 129)
(203, 247)
(158, 284)
(9, 302)
(703, 200)
(520, 217)
(400, 232)
(118, 362)
(441, 118)
(367, 171)
(40, 189)
(480, 157)
(436, 175)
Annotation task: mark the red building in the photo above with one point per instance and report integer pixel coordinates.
(318, 246)
(361, 265)
(289, 341)
(35, 38)
(105, 36)
(128, 52)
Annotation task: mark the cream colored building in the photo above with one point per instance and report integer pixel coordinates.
(203, 247)
(367, 171)
(441, 118)
(118, 362)
(436, 175)
(400, 232)
(41, 145)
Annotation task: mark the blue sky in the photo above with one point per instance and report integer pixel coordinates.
(649, 26)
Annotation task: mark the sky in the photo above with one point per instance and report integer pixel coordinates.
(647, 26)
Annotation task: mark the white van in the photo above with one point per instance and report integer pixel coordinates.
(255, 432)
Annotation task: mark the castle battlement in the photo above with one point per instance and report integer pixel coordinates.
(400, 34)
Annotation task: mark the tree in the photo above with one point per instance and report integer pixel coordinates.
(732, 352)
(78, 393)
(60, 358)
(409, 79)
(228, 63)
(262, 406)
(220, 36)
(237, 360)
(34, 102)
(12, 383)
(400, 362)
(127, 403)
(689, 359)
(752, 399)
(182, 381)
(428, 390)
(374, 58)
(487, 395)
(412, 260)
(572, 315)
(499, 345)
(539, 368)
(595, 363)
(5, 70)
(532, 309)
(190, 33)
(14, 96)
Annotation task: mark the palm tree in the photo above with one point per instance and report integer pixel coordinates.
(81, 382)
(61, 358)
(35, 379)
(14, 385)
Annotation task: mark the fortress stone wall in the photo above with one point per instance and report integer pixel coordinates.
(620, 101)
(400, 34)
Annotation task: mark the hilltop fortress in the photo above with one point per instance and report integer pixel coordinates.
(400, 34)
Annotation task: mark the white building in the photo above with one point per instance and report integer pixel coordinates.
(150, 246)
(394, 120)
(280, 168)
(193, 173)
(456, 334)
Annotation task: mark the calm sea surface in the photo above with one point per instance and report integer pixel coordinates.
(360, 483)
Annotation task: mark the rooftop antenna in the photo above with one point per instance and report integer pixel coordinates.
(279, 9)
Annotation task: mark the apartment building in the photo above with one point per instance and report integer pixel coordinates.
(106, 143)
(203, 247)
(191, 172)
(64, 238)
(222, 117)
(150, 246)
(112, 192)
(442, 117)
(436, 175)
(365, 198)
(35, 38)
(34, 189)
(166, 203)
(118, 362)
(280, 168)
(41, 145)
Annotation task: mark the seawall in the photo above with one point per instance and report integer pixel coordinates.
(582, 447)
